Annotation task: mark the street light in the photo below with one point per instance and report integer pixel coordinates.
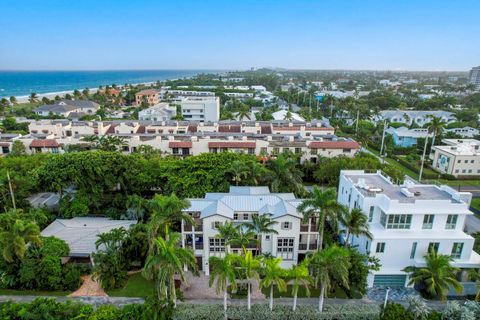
(386, 299)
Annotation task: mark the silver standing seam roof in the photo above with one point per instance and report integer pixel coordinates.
(246, 199)
(80, 233)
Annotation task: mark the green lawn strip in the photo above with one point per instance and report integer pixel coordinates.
(314, 293)
(137, 286)
(475, 203)
(11, 292)
(397, 165)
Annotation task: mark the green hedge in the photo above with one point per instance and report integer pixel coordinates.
(262, 312)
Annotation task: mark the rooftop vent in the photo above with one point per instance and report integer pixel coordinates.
(417, 193)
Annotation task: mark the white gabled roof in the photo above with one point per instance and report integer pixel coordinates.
(246, 199)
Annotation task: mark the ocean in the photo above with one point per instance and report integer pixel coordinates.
(22, 83)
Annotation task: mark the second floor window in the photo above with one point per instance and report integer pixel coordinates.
(370, 214)
(286, 225)
(451, 221)
(428, 221)
(457, 250)
(433, 246)
(396, 221)
(380, 247)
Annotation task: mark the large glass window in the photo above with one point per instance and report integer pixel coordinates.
(433, 246)
(414, 249)
(396, 221)
(457, 250)
(370, 214)
(217, 246)
(428, 221)
(451, 221)
(285, 248)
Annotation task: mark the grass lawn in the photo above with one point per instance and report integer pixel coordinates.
(396, 165)
(475, 203)
(314, 293)
(137, 286)
(10, 292)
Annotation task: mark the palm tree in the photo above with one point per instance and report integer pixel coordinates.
(165, 262)
(249, 265)
(288, 116)
(227, 231)
(435, 127)
(332, 263)
(257, 172)
(16, 234)
(33, 97)
(299, 276)
(356, 224)
(285, 175)
(436, 278)
(261, 224)
(273, 275)
(222, 271)
(13, 100)
(165, 211)
(474, 275)
(322, 205)
(238, 170)
(243, 237)
(244, 112)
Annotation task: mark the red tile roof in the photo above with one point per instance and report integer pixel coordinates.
(286, 128)
(334, 145)
(47, 143)
(141, 129)
(318, 129)
(147, 92)
(180, 144)
(232, 144)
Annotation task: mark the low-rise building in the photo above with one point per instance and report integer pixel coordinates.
(458, 157)
(293, 239)
(406, 221)
(202, 109)
(418, 117)
(404, 137)
(465, 132)
(65, 108)
(159, 112)
(150, 96)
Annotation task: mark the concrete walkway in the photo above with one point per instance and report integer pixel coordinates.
(89, 288)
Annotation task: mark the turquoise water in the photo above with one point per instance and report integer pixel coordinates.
(22, 83)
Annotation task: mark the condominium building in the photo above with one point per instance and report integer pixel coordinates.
(292, 241)
(201, 109)
(159, 112)
(418, 117)
(475, 76)
(309, 140)
(458, 157)
(150, 96)
(406, 221)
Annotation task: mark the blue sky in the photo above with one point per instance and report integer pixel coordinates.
(188, 34)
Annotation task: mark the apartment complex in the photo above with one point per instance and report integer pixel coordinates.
(159, 112)
(458, 157)
(418, 117)
(68, 108)
(406, 221)
(201, 109)
(475, 76)
(239, 205)
(310, 140)
(150, 96)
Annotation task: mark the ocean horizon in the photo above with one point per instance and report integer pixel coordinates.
(23, 83)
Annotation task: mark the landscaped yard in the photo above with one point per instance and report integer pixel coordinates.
(9, 292)
(137, 286)
(475, 203)
(314, 293)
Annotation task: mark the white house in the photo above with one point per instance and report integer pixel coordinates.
(459, 157)
(465, 132)
(66, 107)
(239, 205)
(419, 117)
(159, 112)
(405, 221)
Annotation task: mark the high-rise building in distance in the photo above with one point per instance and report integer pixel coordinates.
(475, 76)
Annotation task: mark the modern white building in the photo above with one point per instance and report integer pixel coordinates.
(159, 112)
(202, 109)
(419, 117)
(458, 157)
(465, 132)
(475, 76)
(239, 205)
(405, 221)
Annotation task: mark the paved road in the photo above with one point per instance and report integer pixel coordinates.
(472, 224)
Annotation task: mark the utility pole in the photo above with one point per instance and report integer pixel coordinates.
(383, 139)
(11, 191)
(356, 124)
(423, 159)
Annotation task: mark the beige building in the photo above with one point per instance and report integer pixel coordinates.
(459, 157)
(151, 96)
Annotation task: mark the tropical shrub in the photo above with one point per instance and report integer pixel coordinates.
(395, 311)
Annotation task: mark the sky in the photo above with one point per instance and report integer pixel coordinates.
(209, 34)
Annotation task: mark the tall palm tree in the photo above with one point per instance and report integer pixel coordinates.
(250, 266)
(222, 271)
(322, 205)
(285, 175)
(273, 275)
(244, 112)
(436, 278)
(261, 224)
(165, 211)
(13, 100)
(243, 237)
(299, 276)
(332, 263)
(33, 97)
(227, 231)
(238, 170)
(16, 234)
(167, 261)
(356, 224)
(435, 127)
